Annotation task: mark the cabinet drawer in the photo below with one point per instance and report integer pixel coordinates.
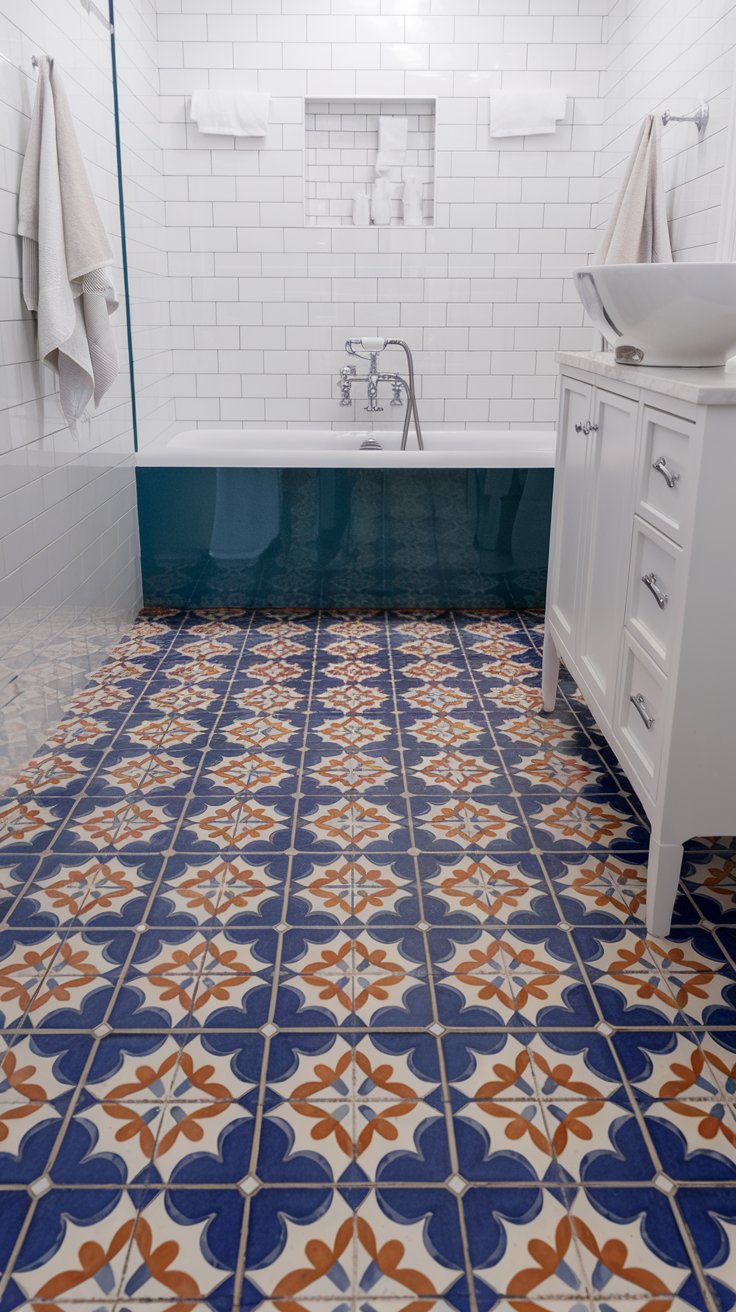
(640, 716)
(667, 473)
(655, 592)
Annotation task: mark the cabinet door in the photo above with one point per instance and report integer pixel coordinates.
(609, 495)
(576, 406)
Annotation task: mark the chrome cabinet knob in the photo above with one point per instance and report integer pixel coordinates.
(652, 582)
(578, 428)
(586, 428)
(662, 468)
(638, 700)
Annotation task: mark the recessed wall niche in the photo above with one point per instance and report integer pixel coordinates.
(341, 137)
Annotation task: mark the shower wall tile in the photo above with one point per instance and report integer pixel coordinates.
(515, 215)
(671, 58)
(328, 283)
(69, 575)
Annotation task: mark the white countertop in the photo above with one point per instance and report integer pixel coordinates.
(715, 386)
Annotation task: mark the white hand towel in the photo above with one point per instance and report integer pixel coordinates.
(392, 138)
(66, 255)
(231, 113)
(526, 112)
(637, 231)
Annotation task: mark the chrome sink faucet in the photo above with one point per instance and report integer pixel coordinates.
(349, 375)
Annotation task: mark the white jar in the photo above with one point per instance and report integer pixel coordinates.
(381, 194)
(361, 208)
(412, 200)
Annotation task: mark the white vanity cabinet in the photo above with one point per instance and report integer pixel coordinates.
(641, 594)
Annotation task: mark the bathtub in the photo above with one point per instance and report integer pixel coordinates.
(304, 517)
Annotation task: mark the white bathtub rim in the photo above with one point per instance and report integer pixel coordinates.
(339, 449)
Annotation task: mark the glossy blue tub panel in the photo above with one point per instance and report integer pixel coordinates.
(344, 537)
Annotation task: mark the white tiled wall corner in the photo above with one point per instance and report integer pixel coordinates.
(69, 578)
(510, 216)
(147, 238)
(671, 57)
(341, 151)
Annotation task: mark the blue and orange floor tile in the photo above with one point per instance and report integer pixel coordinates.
(324, 987)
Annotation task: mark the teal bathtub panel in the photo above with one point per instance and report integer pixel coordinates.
(344, 537)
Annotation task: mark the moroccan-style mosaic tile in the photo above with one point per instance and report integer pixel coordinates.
(325, 987)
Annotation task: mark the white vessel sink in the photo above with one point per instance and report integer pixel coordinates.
(675, 314)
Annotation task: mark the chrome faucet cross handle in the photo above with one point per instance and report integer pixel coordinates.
(347, 374)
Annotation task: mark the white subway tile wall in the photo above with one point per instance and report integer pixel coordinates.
(69, 579)
(262, 301)
(672, 56)
(152, 272)
(341, 151)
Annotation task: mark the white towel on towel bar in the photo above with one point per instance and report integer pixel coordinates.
(66, 254)
(637, 231)
(231, 113)
(531, 111)
(392, 138)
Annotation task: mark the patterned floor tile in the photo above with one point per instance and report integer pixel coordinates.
(354, 1111)
(489, 824)
(178, 1113)
(324, 985)
(352, 890)
(485, 889)
(97, 889)
(366, 772)
(339, 978)
(452, 772)
(241, 824)
(373, 823)
(219, 890)
(101, 824)
(100, 1244)
(395, 1246)
(30, 826)
(577, 823)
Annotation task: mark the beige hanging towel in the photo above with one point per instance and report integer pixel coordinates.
(637, 231)
(66, 255)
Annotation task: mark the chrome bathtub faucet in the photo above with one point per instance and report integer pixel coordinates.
(349, 375)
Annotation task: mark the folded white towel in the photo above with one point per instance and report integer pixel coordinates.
(392, 138)
(526, 112)
(637, 231)
(231, 113)
(66, 252)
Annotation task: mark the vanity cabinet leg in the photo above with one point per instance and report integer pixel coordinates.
(663, 877)
(550, 672)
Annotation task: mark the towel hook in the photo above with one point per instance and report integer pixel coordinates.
(698, 116)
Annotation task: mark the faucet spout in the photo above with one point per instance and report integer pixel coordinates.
(348, 376)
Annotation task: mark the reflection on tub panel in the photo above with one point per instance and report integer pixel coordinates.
(344, 537)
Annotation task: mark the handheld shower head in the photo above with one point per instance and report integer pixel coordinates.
(370, 344)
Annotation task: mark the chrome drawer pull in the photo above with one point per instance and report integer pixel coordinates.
(661, 467)
(637, 699)
(652, 582)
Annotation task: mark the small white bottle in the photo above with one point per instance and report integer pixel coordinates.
(361, 208)
(412, 200)
(381, 194)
